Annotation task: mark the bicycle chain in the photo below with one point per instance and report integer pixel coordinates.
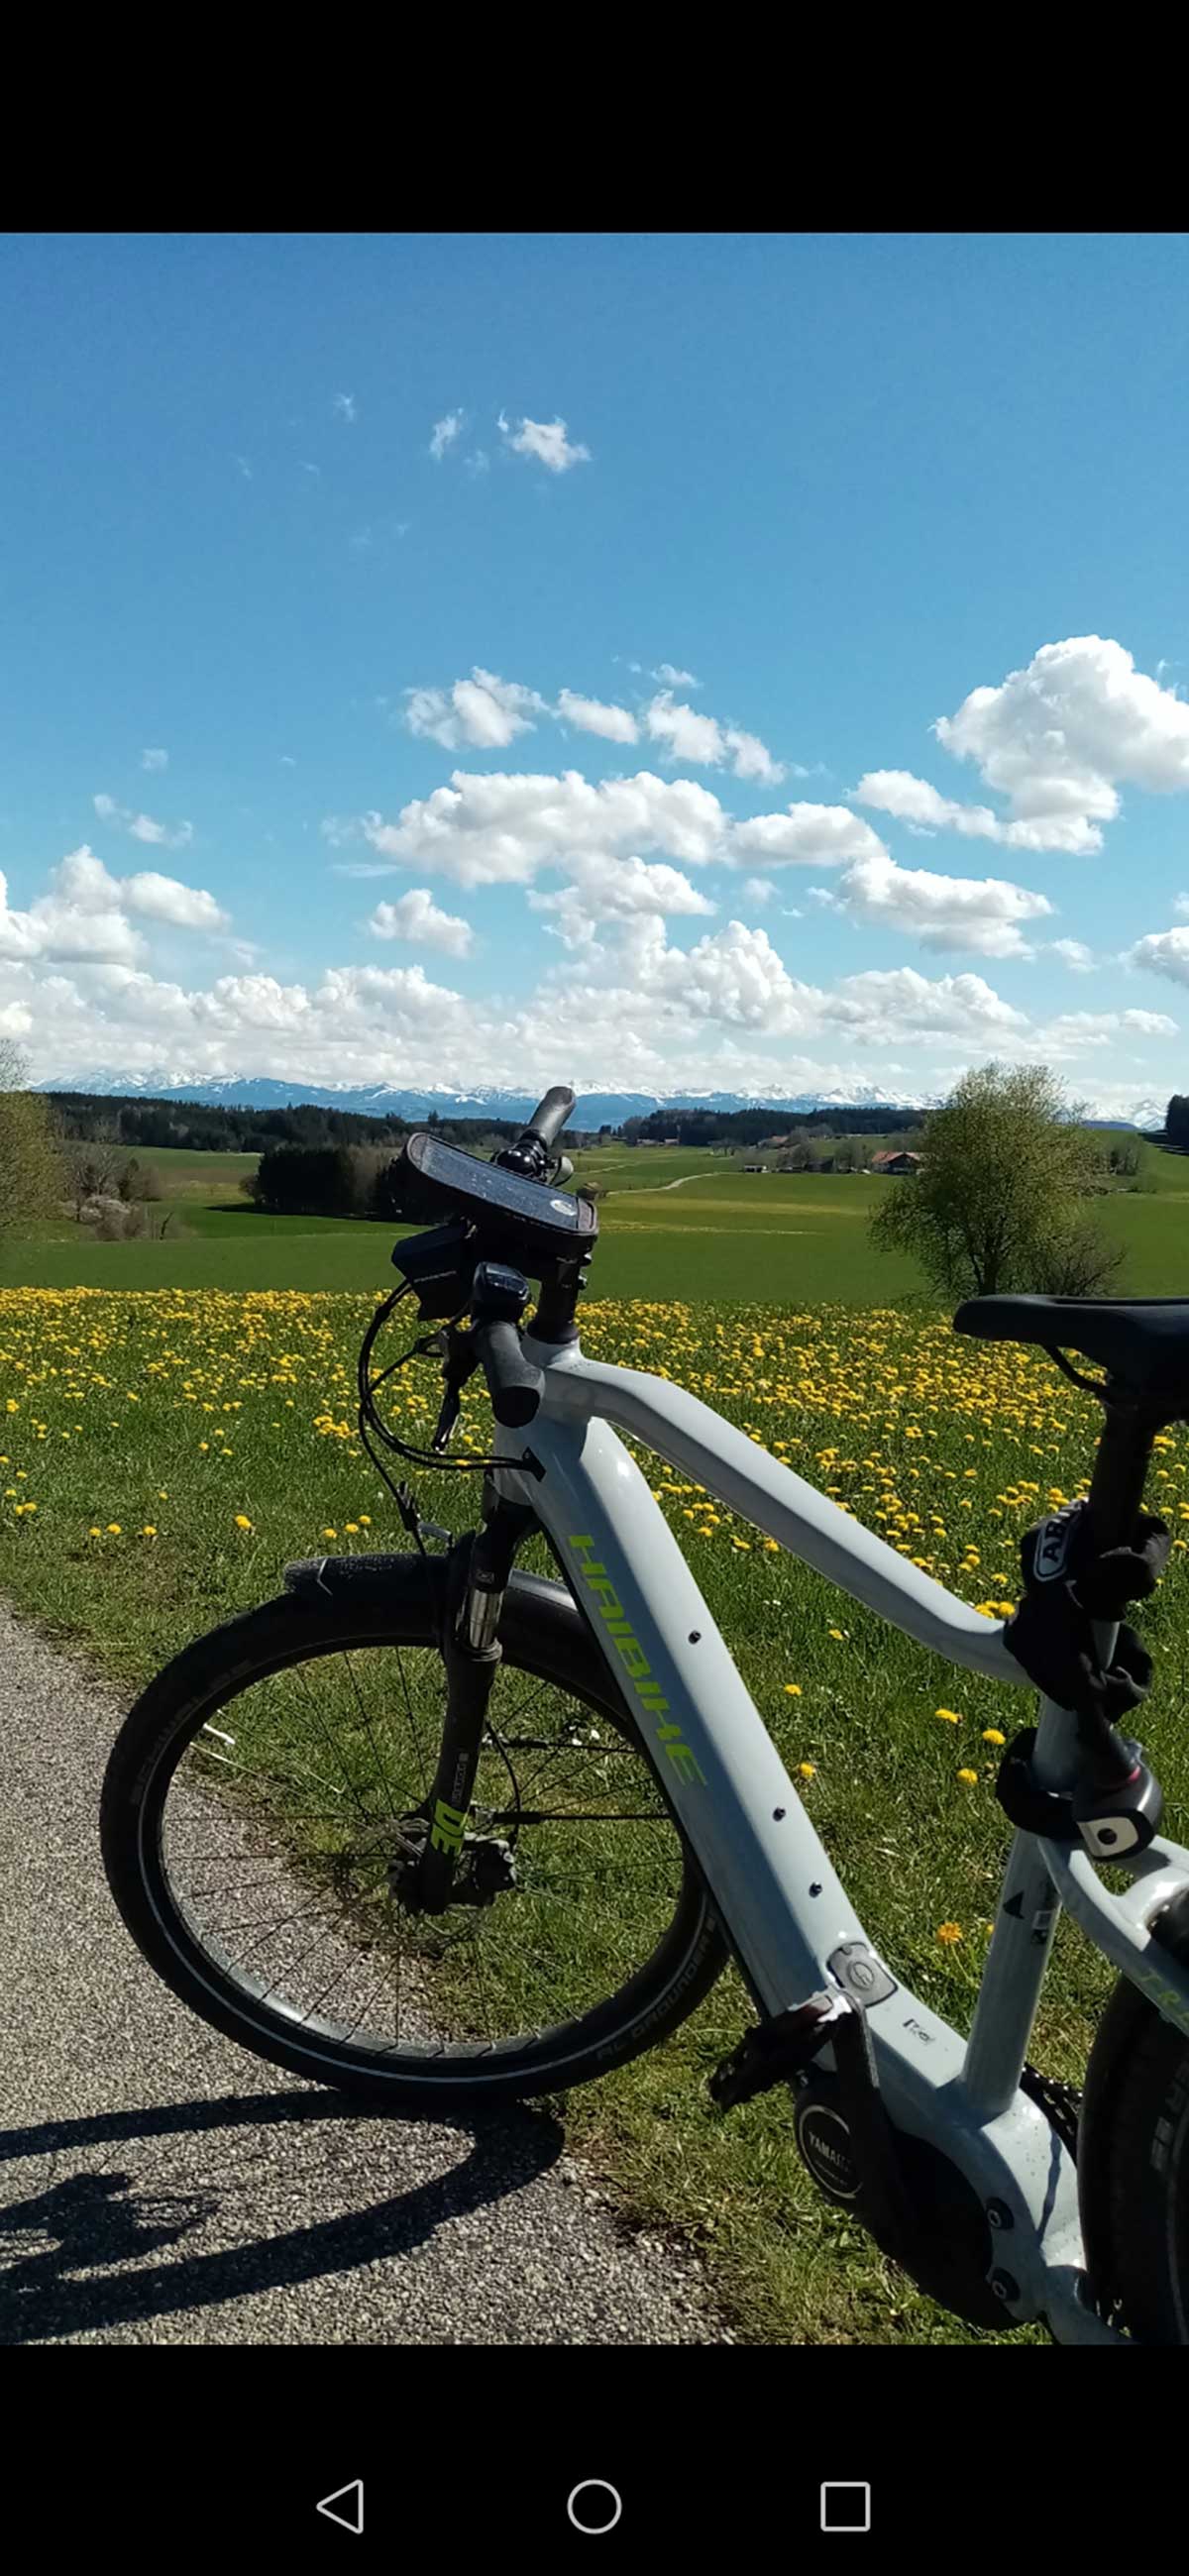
(1060, 2102)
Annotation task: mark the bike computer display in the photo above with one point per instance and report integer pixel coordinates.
(431, 1173)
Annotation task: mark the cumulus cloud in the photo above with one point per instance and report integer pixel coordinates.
(83, 918)
(546, 440)
(1074, 954)
(807, 836)
(1072, 1031)
(673, 679)
(978, 913)
(164, 899)
(1163, 952)
(503, 827)
(1057, 740)
(703, 741)
(485, 711)
(606, 889)
(445, 432)
(592, 715)
(416, 918)
(759, 889)
(142, 826)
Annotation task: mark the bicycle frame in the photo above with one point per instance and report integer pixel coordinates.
(783, 1907)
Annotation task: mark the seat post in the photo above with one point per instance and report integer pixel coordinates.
(1121, 1464)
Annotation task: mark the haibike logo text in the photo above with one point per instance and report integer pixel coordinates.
(636, 1665)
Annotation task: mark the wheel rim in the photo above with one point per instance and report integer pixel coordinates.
(278, 1814)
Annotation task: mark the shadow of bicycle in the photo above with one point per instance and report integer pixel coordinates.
(73, 2254)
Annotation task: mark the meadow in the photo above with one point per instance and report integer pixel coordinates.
(167, 1451)
(676, 1224)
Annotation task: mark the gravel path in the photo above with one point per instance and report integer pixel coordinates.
(157, 2185)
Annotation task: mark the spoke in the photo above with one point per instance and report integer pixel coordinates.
(368, 1729)
(334, 1750)
(421, 1765)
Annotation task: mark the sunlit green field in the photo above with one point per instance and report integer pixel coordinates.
(165, 1454)
(674, 1224)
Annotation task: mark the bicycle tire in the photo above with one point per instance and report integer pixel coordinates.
(1133, 2158)
(543, 1635)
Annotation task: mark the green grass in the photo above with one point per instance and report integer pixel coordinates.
(721, 1234)
(171, 1415)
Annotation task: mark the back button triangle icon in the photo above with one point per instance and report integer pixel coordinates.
(345, 2506)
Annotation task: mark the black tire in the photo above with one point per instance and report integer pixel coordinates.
(1133, 2158)
(543, 1636)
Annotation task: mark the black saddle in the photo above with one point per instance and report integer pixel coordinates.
(1141, 1342)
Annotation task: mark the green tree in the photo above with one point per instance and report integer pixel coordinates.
(31, 1179)
(997, 1204)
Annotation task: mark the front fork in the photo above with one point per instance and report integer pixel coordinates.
(480, 1568)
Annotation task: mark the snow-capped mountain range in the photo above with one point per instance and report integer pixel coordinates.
(382, 1100)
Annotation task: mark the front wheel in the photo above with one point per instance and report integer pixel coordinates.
(263, 1797)
(1133, 2157)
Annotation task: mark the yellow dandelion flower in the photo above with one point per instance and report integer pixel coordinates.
(807, 1770)
(113, 1529)
(949, 1932)
(793, 1689)
(242, 1521)
(969, 1779)
(952, 1716)
(992, 1735)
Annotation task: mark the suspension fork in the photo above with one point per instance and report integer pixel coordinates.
(480, 1568)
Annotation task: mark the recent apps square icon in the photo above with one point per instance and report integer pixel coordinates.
(846, 2505)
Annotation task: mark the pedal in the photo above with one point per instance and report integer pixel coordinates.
(775, 2051)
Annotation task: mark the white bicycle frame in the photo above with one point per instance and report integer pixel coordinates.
(785, 1912)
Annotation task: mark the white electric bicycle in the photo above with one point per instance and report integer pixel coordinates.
(442, 1833)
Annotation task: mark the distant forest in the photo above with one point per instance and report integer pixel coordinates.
(88, 1118)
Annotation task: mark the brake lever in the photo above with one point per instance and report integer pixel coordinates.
(459, 1363)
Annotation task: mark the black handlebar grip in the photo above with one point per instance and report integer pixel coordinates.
(551, 1113)
(516, 1387)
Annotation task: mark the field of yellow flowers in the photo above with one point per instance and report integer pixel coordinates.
(164, 1453)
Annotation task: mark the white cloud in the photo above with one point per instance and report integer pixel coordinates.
(982, 914)
(1074, 954)
(83, 918)
(164, 899)
(416, 918)
(808, 836)
(344, 405)
(1057, 739)
(924, 809)
(606, 889)
(759, 889)
(503, 827)
(445, 432)
(485, 711)
(154, 760)
(592, 715)
(1163, 952)
(672, 679)
(1180, 905)
(478, 462)
(1073, 1030)
(545, 440)
(701, 740)
(878, 1005)
(142, 826)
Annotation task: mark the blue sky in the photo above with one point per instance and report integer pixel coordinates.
(653, 660)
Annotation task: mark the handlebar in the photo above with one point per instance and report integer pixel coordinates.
(516, 1387)
(533, 1148)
